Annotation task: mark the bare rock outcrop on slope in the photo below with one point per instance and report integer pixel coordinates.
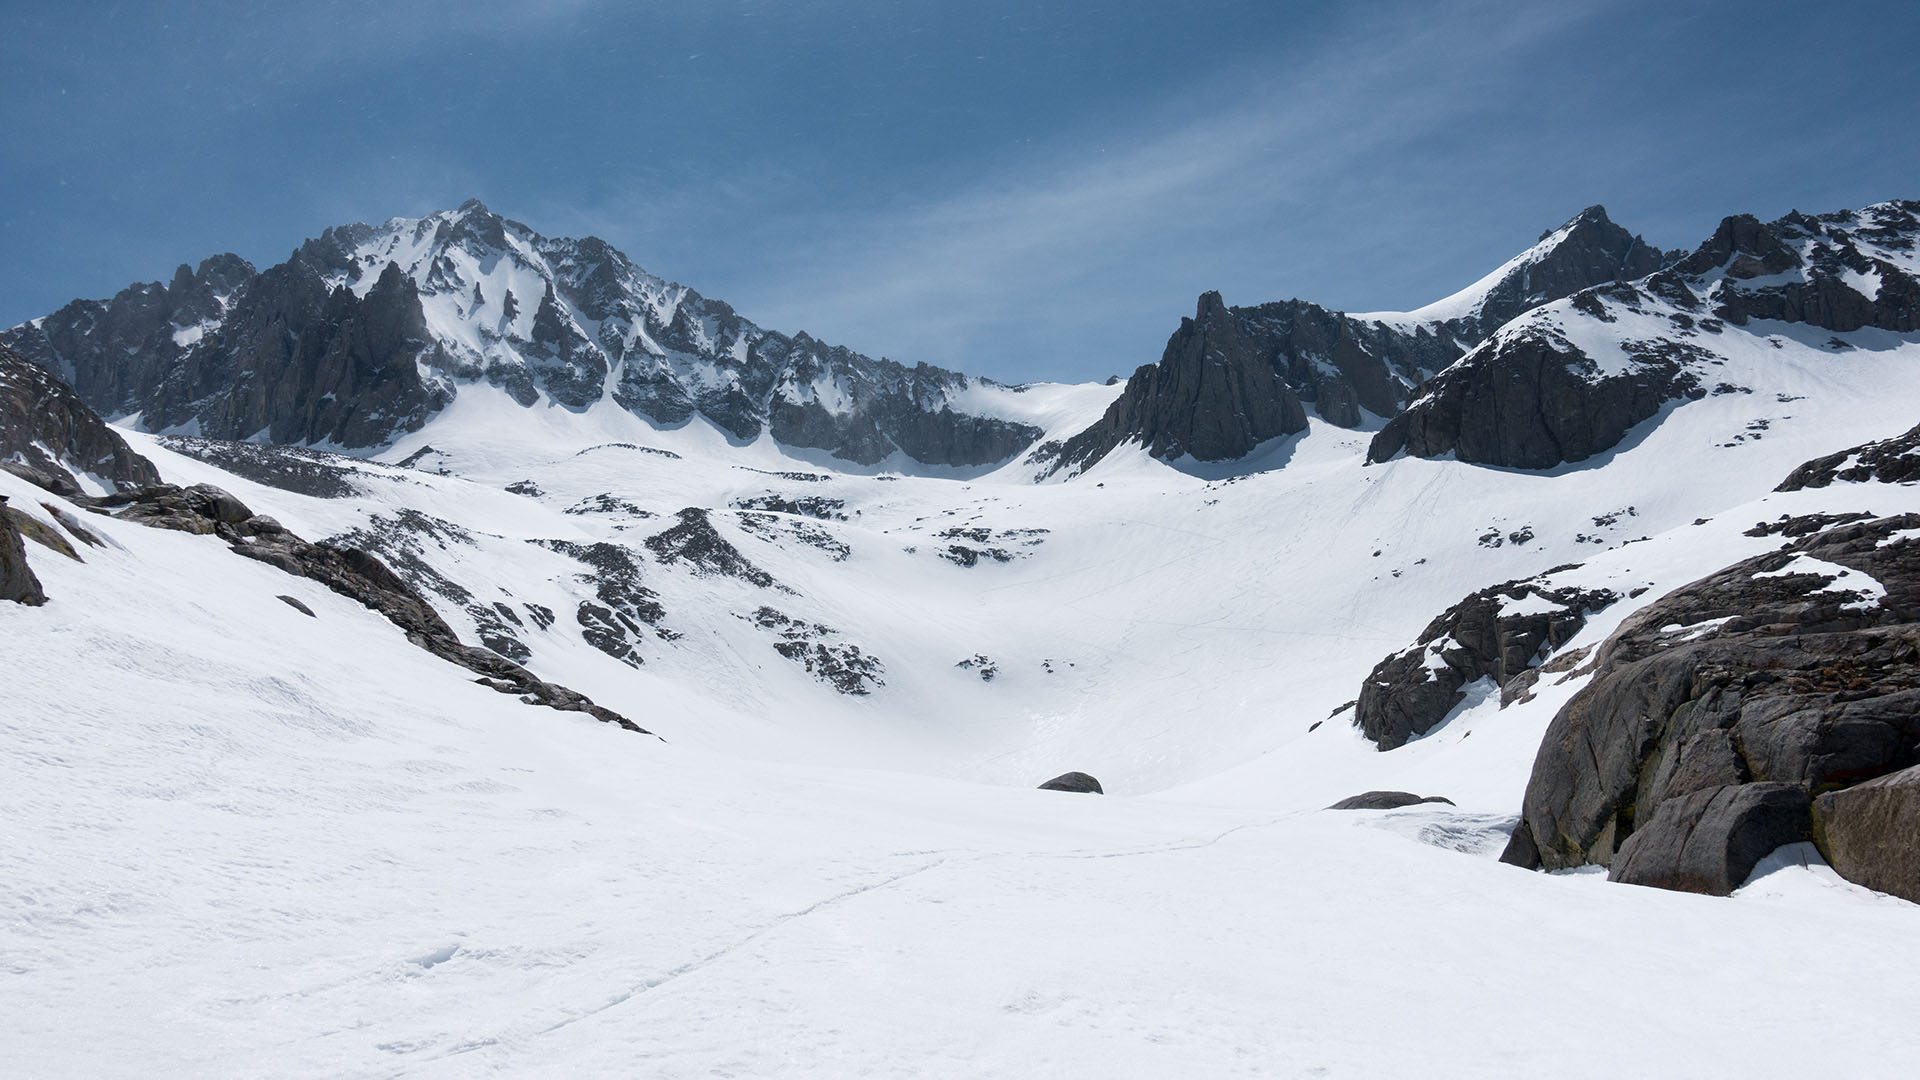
(1535, 400)
(356, 574)
(1889, 461)
(18, 583)
(46, 428)
(1795, 673)
(1502, 632)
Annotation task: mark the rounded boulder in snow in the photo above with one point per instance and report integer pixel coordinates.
(1073, 781)
(1385, 800)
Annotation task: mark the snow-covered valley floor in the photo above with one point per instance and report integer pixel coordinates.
(216, 866)
(240, 841)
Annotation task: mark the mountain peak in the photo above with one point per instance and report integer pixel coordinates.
(1595, 215)
(1210, 304)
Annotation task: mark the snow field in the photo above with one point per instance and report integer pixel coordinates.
(360, 864)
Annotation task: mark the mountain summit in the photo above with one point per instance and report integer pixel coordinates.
(367, 331)
(1233, 377)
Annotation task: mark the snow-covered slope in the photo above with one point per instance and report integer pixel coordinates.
(1151, 625)
(1588, 250)
(254, 841)
(228, 861)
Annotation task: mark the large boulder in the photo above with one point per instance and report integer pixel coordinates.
(1715, 713)
(1870, 833)
(1708, 841)
(202, 509)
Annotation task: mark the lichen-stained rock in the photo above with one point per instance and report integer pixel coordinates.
(1499, 632)
(1870, 833)
(1708, 841)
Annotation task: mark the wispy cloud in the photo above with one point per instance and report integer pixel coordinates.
(1126, 214)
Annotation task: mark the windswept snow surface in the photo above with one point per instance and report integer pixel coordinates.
(242, 841)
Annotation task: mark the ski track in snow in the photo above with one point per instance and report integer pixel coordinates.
(695, 965)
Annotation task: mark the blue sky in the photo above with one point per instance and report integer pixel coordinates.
(1022, 190)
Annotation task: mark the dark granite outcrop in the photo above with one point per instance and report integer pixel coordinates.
(1890, 461)
(1778, 670)
(1534, 400)
(18, 583)
(1411, 692)
(1592, 250)
(282, 355)
(45, 427)
(696, 542)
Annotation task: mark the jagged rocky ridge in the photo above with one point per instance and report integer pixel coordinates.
(367, 331)
(1568, 380)
(1231, 378)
